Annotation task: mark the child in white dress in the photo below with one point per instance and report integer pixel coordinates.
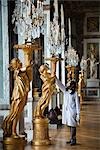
(70, 109)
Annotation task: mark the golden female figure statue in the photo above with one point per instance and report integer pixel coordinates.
(81, 85)
(47, 87)
(22, 78)
(40, 123)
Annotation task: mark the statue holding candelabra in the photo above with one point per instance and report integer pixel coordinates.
(19, 96)
(22, 78)
(71, 57)
(55, 42)
(47, 90)
(81, 85)
(41, 136)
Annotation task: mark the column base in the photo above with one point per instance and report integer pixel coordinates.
(41, 135)
(9, 143)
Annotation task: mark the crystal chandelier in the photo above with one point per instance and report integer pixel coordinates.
(28, 19)
(56, 39)
(72, 58)
(54, 43)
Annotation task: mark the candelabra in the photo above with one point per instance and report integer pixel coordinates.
(54, 39)
(72, 58)
(28, 19)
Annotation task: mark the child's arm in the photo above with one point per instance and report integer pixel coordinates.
(60, 85)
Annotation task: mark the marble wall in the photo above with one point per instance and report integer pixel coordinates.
(1, 60)
(4, 73)
(4, 62)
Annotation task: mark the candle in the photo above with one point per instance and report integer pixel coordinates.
(37, 3)
(69, 25)
(42, 5)
(62, 23)
(29, 4)
(33, 9)
(56, 11)
(62, 15)
(56, 35)
(27, 8)
(21, 9)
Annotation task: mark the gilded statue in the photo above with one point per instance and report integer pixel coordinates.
(22, 77)
(47, 87)
(81, 85)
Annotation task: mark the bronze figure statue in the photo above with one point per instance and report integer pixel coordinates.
(22, 77)
(47, 87)
(81, 85)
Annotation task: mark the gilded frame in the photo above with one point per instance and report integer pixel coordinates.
(92, 24)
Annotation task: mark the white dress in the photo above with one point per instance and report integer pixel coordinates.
(71, 106)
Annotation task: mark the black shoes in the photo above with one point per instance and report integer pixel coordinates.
(72, 142)
(68, 142)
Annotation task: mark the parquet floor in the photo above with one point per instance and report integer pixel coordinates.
(88, 133)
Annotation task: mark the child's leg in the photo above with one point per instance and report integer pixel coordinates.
(73, 135)
(69, 141)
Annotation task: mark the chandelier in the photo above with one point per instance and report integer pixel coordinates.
(71, 56)
(28, 19)
(56, 38)
(54, 43)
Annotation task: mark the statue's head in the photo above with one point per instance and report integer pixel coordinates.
(80, 76)
(15, 64)
(43, 68)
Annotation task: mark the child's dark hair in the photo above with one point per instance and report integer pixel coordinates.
(73, 84)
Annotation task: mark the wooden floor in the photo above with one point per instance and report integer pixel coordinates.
(88, 133)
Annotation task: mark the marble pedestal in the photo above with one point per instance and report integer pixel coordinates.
(93, 88)
(93, 83)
